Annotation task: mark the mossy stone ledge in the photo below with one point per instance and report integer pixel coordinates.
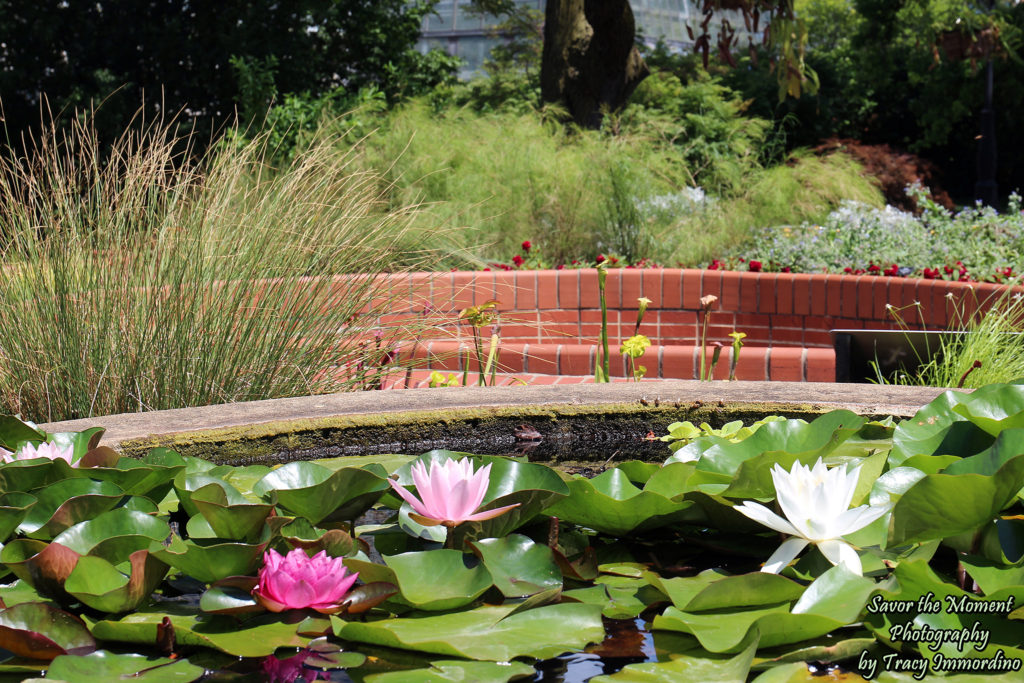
(482, 419)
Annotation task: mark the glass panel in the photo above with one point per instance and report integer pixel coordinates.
(441, 19)
(464, 21)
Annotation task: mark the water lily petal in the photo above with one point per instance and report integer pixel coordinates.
(488, 514)
(425, 521)
(406, 496)
(838, 551)
(759, 513)
(858, 518)
(785, 553)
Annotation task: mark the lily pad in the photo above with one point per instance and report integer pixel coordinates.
(486, 633)
(436, 579)
(257, 636)
(231, 516)
(14, 505)
(611, 504)
(922, 513)
(44, 566)
(38, 630)
(98, 584)
(209, 560)
(457, 670)
(107, 666)
(114, 535)
(66, 503)
(320, 494)
(689, 668)
(518, 566)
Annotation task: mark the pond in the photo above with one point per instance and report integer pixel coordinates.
(773, 551)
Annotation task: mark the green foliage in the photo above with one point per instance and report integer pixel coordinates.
(200, 60)
(119, 269)
(606, 547)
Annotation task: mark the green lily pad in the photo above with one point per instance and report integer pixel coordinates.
(319, 494)
(107, 666)
(98, 584)
(611, 504)
(209, 560)
(486, 633)
(518, 566)
(66, 503)
(922, 513)
(41, 565)
(13, 432)
(80, 442)
(257, 636)
(437, 579)
(725, 632)
(938, 429)
(838, 593)
(456, 670)
(38, 630)
(687, 668)
(150, 476)
(14, 505)
(229, 514)
(994, 408)
(743, 590)
(114, 535)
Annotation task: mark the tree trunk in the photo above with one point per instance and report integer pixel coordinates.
(590, 63)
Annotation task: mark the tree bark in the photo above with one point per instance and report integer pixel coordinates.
(590, 63)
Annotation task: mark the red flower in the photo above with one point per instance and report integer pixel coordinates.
(892, 271)
(715, 265)
(575, 262)
(754, 266)
(931, 273)
(560, 266)
(518, 260)
(848, 269)
(948, 269)
(527, 245)
(614, 260)
(600, 258)
(787, 269)
(873, 269)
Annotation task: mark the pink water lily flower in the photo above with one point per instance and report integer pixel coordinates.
(44, 450)
(450, 493)
(298, 581)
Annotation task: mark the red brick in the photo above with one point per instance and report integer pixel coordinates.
(711, 285)
(671, 289)
(783, 293)
(568, 288)
(751, 364)
(850, 294)
(590, 296)
(750, 286)
(767, 286)
(677, 362)
(820, 365)
(804, 288)
(547, 289)
(526, 290)
(576, 359)
(543, 358)
(504, 290)
(730, 297)
(512, 357)
(786, 336)
(817, 338)
(613, 288)
(692, 289)
(834, 295)
(418, 286)
(631, 282)
(522, 331)
(903, 294)
(786, 365)
(463, 290)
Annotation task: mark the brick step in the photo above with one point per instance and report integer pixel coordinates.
(788, 364)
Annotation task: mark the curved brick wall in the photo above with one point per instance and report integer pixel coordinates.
(550, 319)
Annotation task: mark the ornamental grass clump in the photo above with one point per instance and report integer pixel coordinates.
(142, 278)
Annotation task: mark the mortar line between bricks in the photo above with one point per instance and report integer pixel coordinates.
(558, 359)
(661, 361)
(803, 364)
(768, 364)
(526, 357)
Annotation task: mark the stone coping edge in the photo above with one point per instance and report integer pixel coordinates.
(279, 417)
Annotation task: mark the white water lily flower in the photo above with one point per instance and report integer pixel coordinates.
(816, 502)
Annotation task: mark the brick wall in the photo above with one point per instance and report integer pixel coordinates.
(550, 319)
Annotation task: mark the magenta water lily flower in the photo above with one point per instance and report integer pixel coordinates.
(44, 450)
(298, 581)
(450, 493)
